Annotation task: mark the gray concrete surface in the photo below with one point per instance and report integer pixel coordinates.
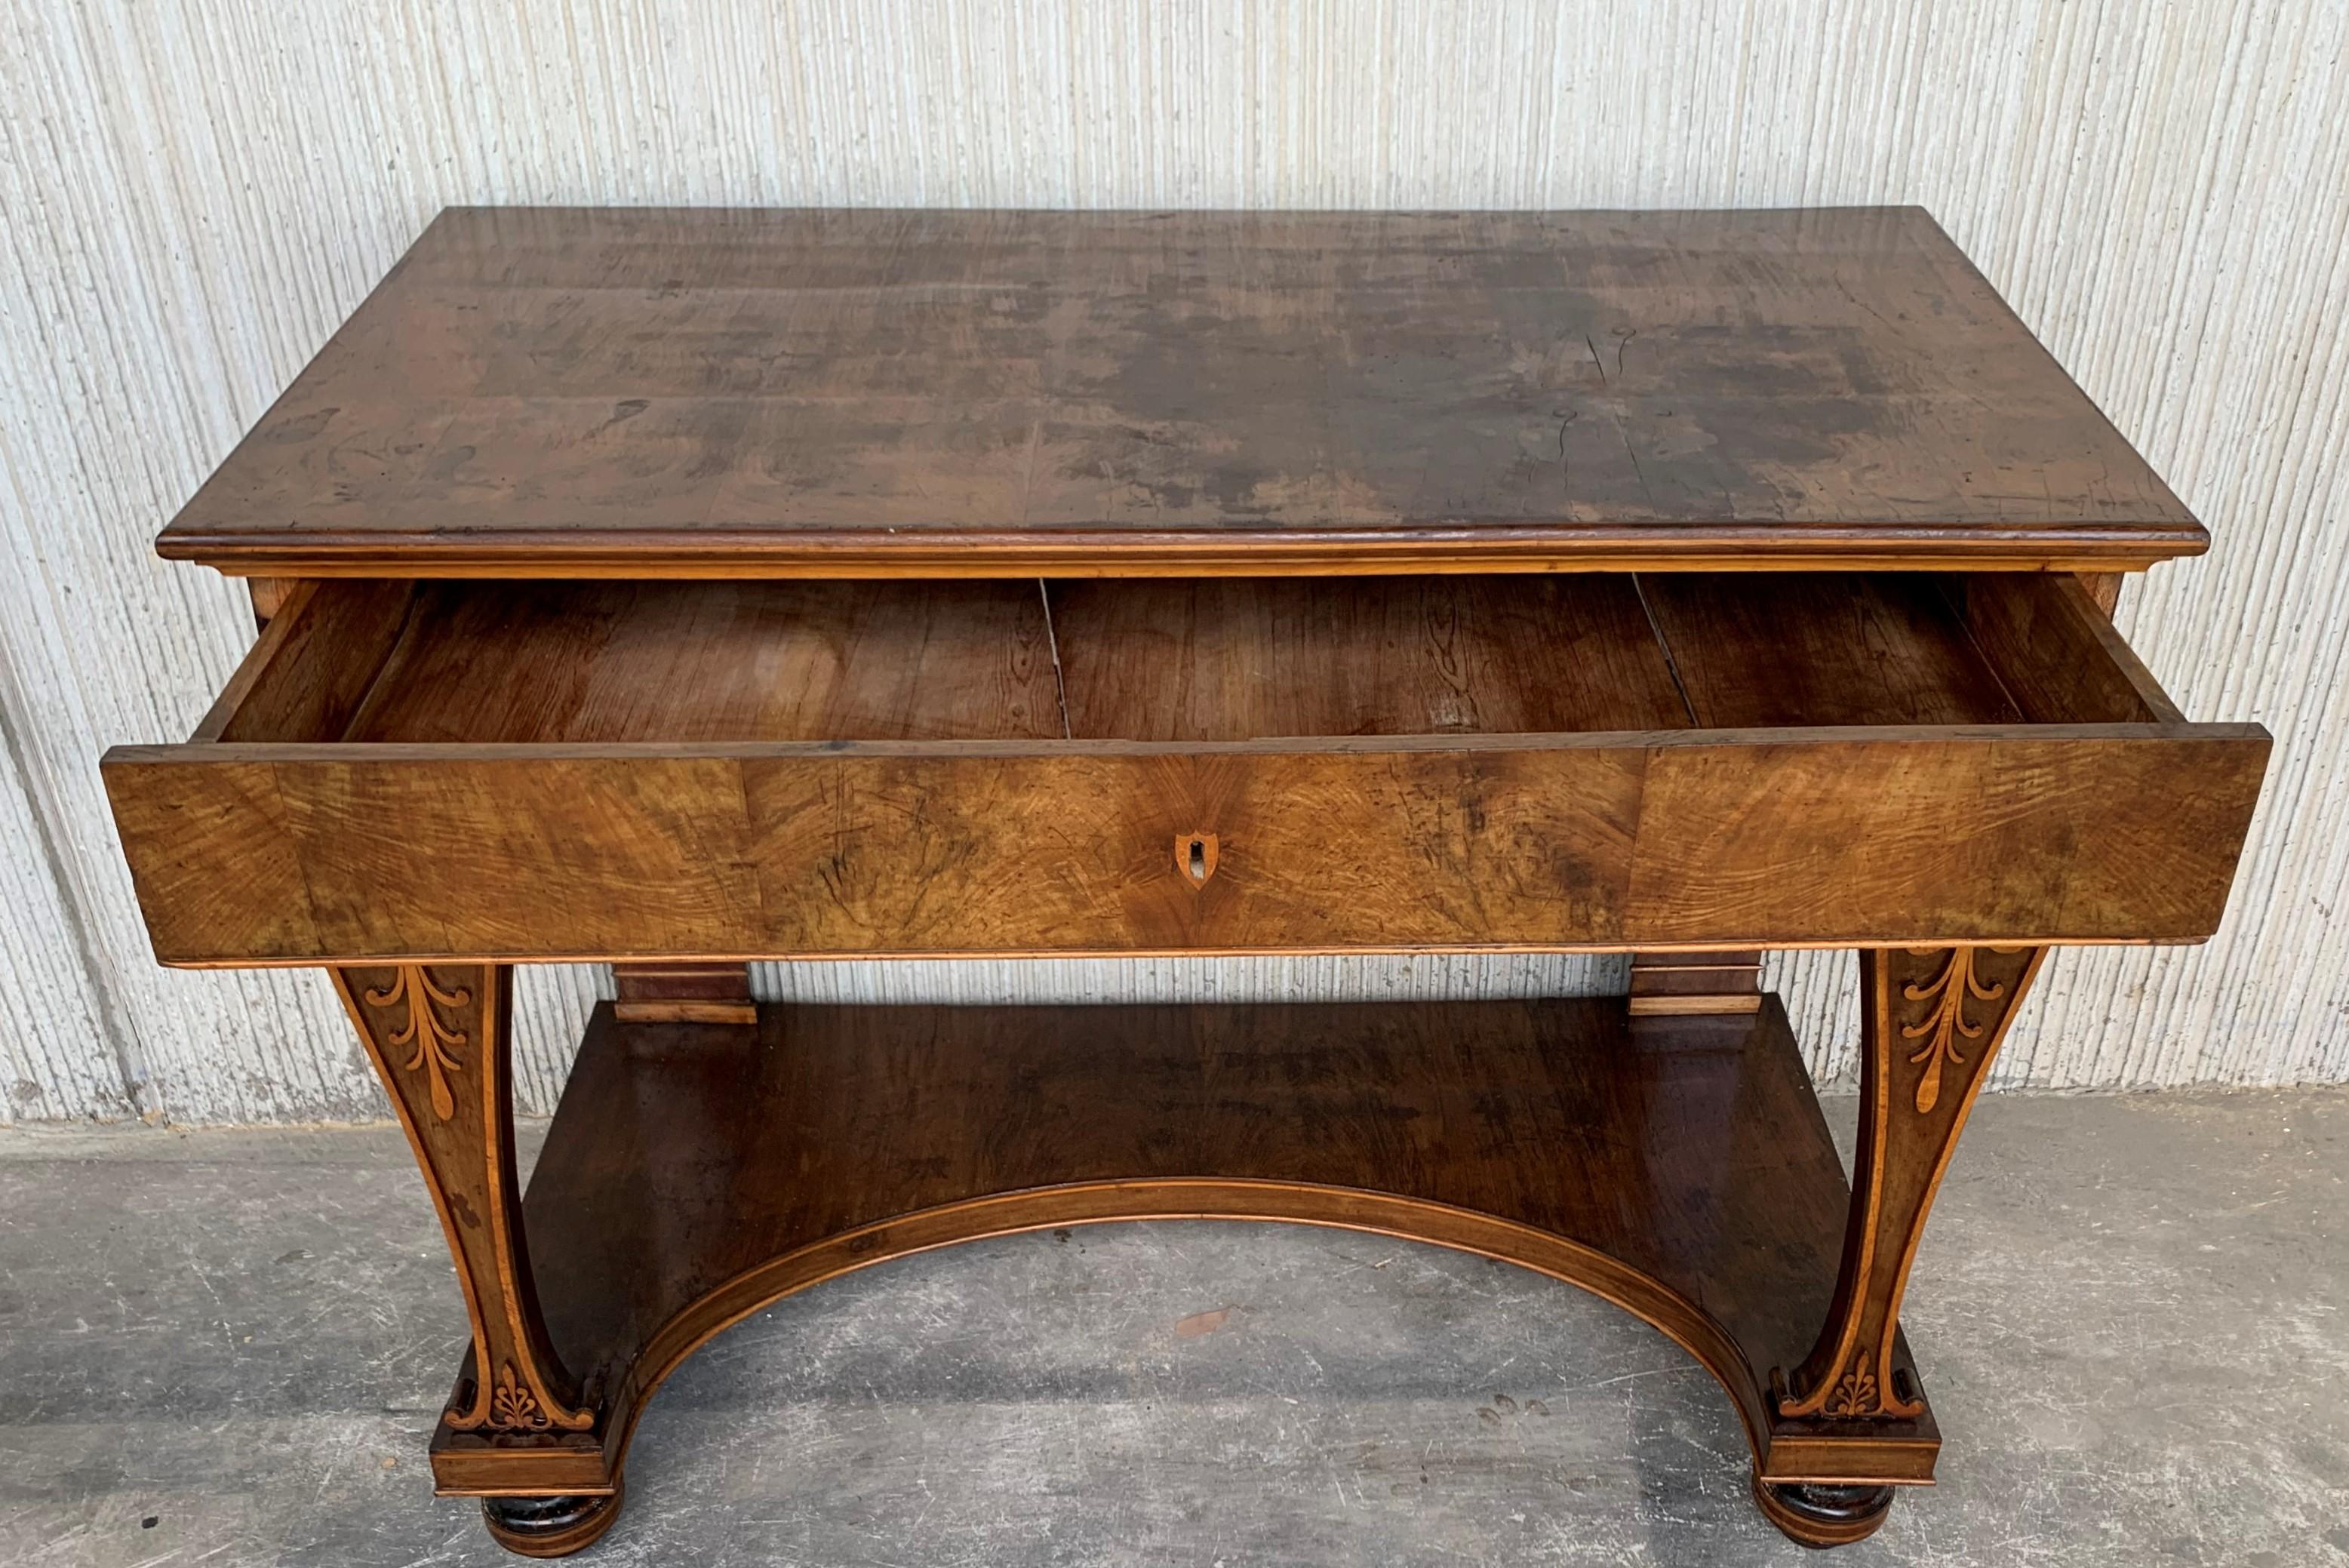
(228, 1347)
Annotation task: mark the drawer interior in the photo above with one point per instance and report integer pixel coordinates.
(1176, 660)
(721, 768)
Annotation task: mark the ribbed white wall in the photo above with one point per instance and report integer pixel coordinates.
(194, 195)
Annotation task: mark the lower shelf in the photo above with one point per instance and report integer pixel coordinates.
(1678, 1166)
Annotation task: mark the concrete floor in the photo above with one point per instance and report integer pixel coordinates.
(228, 1347)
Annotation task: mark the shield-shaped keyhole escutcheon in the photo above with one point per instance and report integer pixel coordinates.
(1194, 857)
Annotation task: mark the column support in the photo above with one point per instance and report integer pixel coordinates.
(1932, 1021)
(439, 1037)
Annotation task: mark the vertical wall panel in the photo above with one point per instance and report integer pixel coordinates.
(55, 1064)
(196, 193)
(1467, 976)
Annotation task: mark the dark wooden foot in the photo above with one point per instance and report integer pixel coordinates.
(549, 1526)
(1821, 1516)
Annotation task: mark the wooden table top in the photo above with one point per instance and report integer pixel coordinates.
(539, 391)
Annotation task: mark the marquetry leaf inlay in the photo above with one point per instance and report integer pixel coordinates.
(514, 1407)
(1856, 1392)
(432, 1038)
(1947, 1024)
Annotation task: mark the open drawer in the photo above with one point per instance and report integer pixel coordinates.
(741, 769)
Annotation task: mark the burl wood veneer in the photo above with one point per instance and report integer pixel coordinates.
(692, 588)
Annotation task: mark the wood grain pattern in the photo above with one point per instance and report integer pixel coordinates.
(1678, 1167)
(314, 662)
(652, 392)
(1243, 658)
(2055, 650)
(672, 770)
(545, 662)
(302, 854)
(2104, 588)
(1757, 651)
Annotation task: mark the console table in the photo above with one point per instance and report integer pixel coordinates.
(681, 588)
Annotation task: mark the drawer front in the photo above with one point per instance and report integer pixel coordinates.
(251, 853)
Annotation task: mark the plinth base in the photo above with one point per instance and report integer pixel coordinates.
(1820, 1516)
(549, 1526)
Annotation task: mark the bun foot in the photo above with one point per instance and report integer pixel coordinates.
(1819, 1515)
(549, 1526)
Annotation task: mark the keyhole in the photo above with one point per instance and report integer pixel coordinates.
(1195, 856)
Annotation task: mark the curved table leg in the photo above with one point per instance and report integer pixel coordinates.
(518, 1429)
(1932, 1021)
